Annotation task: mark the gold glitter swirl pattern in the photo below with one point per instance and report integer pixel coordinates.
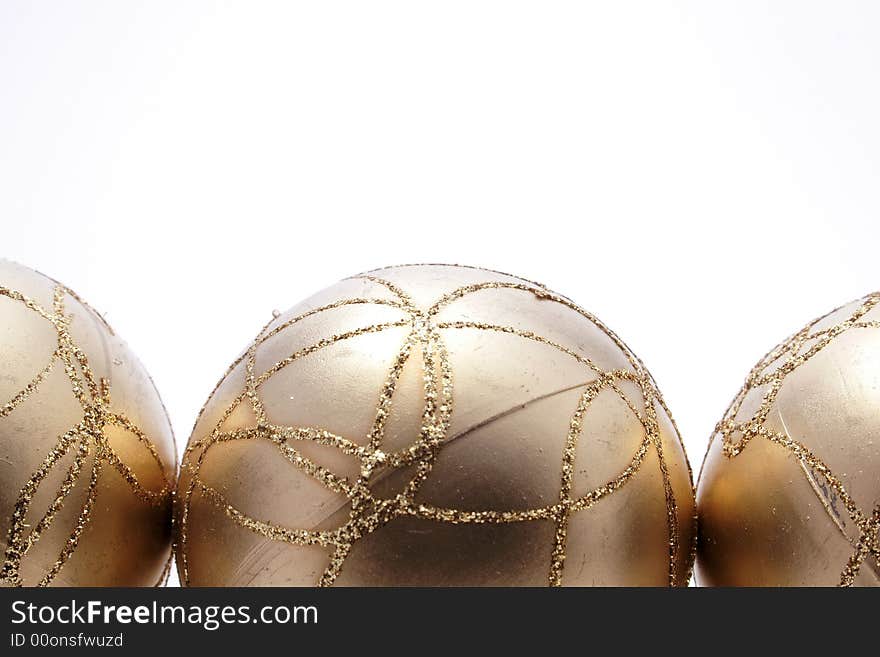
(770, 374)
(368, 512)
(87, 438)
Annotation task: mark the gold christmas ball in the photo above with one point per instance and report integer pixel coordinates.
(789, 493)
(87, 458)
(435, 426)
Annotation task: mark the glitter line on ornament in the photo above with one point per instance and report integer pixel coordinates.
(87, 438)
(368, 513)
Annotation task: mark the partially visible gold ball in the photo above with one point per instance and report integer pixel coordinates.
(789, 493)
(435, 426)
(87, 459)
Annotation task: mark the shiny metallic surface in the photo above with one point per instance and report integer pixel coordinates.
(470, 489)
(119, 527)
(798, 504)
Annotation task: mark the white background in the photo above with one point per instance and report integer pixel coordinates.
(702, 176)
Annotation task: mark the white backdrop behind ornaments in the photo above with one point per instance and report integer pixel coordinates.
(702, 177)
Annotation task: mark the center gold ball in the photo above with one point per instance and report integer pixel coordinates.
(435, 426)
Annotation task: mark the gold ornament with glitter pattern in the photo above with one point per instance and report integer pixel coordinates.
(87, 459)
(789, 492)
(435, 425)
